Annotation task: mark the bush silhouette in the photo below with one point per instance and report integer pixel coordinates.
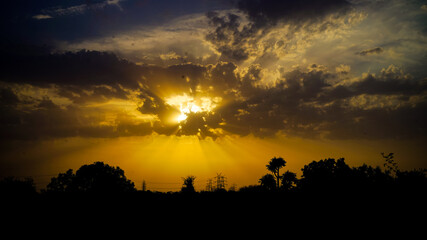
(289, 180)
(336, 176)
(268, 182)
(62, 183)
(11, 186)
(414, 181)
(326, 175)
(95, 178)
(188, 185)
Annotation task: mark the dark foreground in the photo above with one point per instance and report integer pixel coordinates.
(205, 215)
(215, 203)
(330, 197)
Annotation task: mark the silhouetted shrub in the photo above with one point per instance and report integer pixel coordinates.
(336, 176)
(325, 175)
(188, 185)
(62, 183)
(11, 186)
(95, 178)
(414, 181)
(289, 180)
(251, 189)
(268, 182)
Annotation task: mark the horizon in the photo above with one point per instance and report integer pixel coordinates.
(168, 89)
(203, 168)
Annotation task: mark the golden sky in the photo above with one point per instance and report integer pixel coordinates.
(165, 89)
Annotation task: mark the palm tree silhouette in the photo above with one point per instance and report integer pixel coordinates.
(274, 167)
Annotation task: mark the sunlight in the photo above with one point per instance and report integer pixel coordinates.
(188, 104)
(181, 117)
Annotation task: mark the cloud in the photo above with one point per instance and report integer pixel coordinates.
(390, 81)
(79, 76)
(366, 52)
(237, 35)
(270, 12)
(41, 16)
(43, 119)
(304, 104)
(8, 97)
(97, 94)
(227, 37)
(181, 40)
(80, 9)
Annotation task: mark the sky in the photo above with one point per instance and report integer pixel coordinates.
(165, 89)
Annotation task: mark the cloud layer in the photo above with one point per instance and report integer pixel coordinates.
(331, 69)
(80, 87)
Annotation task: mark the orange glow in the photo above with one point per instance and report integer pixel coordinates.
(165, 91)
(162, 160)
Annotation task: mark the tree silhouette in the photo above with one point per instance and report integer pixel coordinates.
(414, 180)
(11, 186)
(268, 182)
(96, 178)
(390, 165)
(289, 179)
(325, 174)
(188, 185)
(62, 183)
(274, 166)
(369, 179)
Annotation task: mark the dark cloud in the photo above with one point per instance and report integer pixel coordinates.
(227, 37)
(83, 68)
(267, 111)
(197, 124)
(94, 93)
(302, 102)
(371, 51)
(268, 12)
(405, 122)
(390, 81)
(49, 94)
(47, 120)
(222, 75)
(90, 76)
(8, 97)
(80, 76)
(388, 86)
(232, 39)
(9, 114)
(46, 22)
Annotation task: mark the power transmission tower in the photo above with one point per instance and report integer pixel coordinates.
(209, 185)
(221, 182)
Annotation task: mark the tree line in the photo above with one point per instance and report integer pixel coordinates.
(329, 175)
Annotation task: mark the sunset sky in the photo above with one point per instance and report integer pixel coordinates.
(170, 88)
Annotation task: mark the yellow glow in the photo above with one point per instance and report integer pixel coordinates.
(188, 104)
(181, 117)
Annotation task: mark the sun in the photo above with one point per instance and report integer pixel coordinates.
(181, 117)
(188, 104)
(188, 107)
